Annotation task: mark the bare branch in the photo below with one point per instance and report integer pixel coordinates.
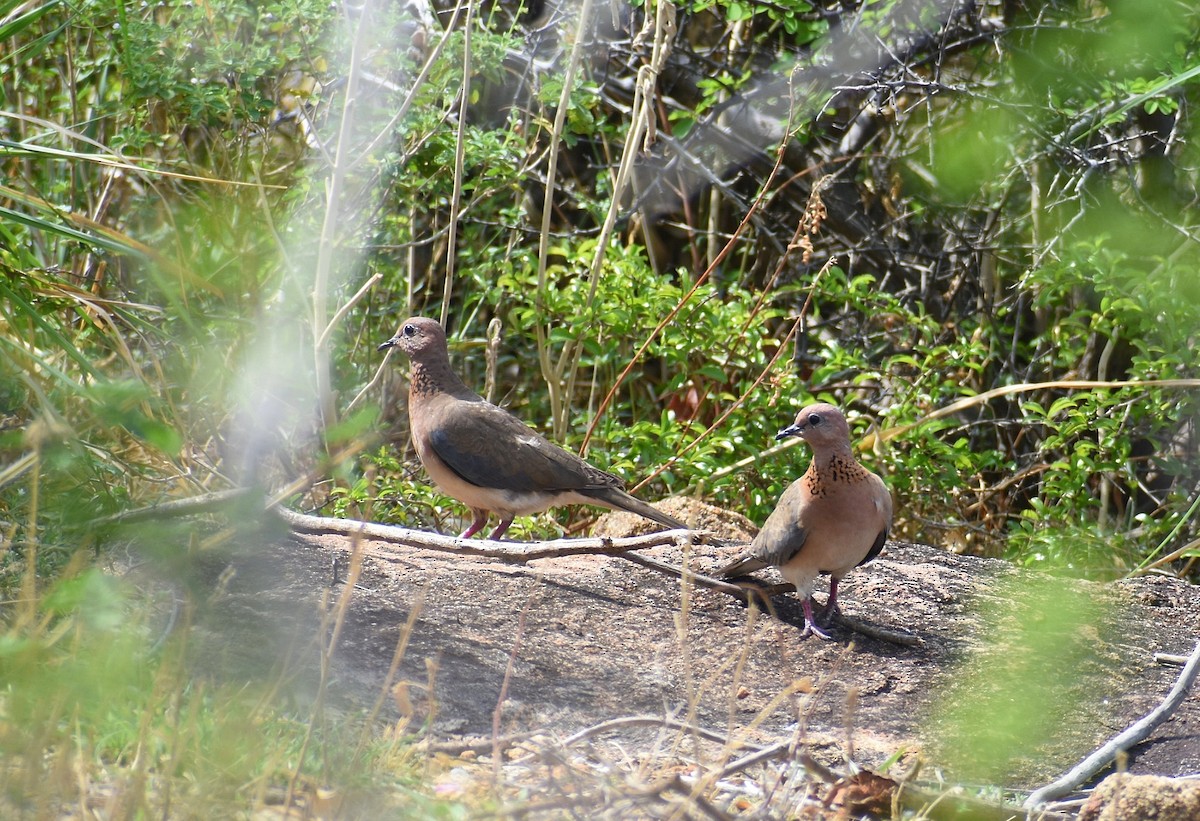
(513, 552)
(1135, 734)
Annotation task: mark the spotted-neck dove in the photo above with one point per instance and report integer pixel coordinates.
(832, 519)
(484, 456)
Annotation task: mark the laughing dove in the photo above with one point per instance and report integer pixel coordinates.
(484, 456)
(832, 519)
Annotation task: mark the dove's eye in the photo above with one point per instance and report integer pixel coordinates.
(814, 419)
(410, 330)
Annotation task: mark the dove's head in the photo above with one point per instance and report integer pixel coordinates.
(420, 338)
(821, 425)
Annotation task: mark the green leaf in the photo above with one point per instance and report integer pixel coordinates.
(736, 12)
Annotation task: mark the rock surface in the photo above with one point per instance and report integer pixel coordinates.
(1121, 797)
(560, 645)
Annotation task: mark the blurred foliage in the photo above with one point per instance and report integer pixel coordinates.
(100, 712)
(943, 199)
(1033, 674)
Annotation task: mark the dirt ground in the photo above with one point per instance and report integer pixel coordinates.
(557, 646)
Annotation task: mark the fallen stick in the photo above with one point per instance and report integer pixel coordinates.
(881, 633)
(511, 552)
(514, 552)
(1170, 659)
(742, 594)
(1134, 734)
(191, 506)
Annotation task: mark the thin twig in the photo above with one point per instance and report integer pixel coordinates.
(777, 750)
(699, 802)
(646, 721)
(1167, 559)
(1134, 734)
(1006, 390)
(814, 767)
(341, 312)
(744, 592)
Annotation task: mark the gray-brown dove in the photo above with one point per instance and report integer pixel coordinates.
(484, 456)
(832, 519)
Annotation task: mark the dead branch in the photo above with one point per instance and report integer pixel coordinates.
(879, 633)
(193, 505)
(745, 592)
(742, 594)
(513, 552)
(1136, 732)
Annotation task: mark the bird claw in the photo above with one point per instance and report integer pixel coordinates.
(811, 628)
(810, 623)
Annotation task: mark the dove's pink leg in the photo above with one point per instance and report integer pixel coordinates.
(481, 517)
(810, 623)
(500, 528)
